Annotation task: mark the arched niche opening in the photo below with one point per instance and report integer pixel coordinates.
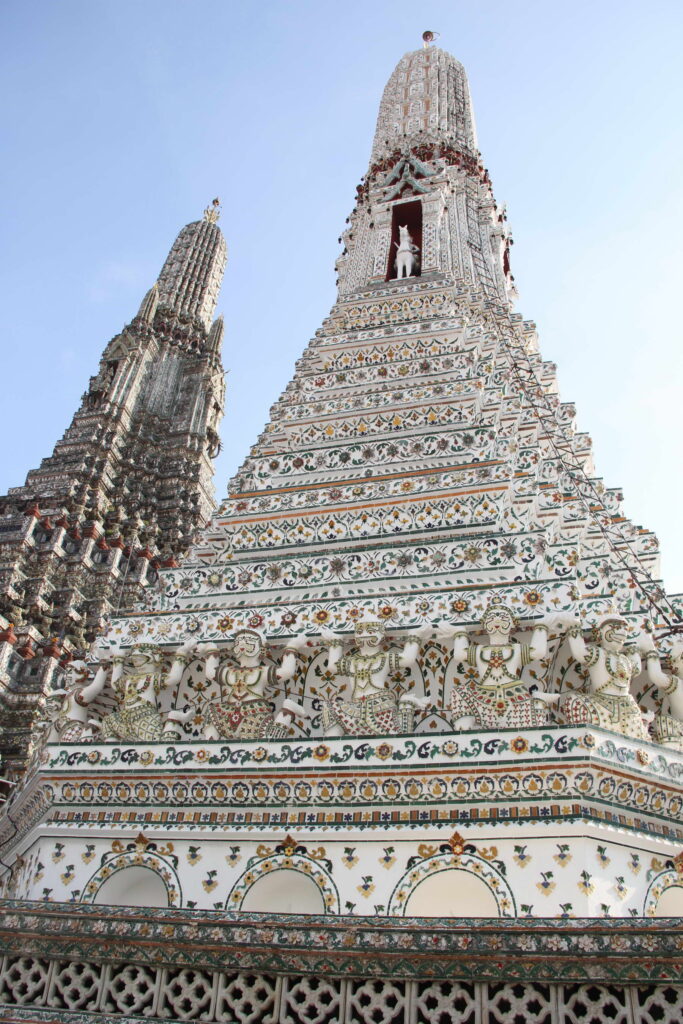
(284, 892)
(452, 893)
(670, 903)
(133, 887)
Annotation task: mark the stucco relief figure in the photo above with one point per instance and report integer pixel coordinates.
(666, 728)
(65, 718)
(245, 711)
(67, 708)
(406, 255)
(611, 664)
(137, 679)
(494, 696)
(373, 710)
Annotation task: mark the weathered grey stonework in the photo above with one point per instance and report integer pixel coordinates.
(126, 488)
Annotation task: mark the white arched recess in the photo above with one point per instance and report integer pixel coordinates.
(670, 903)
(285, 883)
(452, 893)
(445, 885)
(284, 892)
(133, 887)
(135, 878)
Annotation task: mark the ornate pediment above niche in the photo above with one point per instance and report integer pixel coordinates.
(404, 175)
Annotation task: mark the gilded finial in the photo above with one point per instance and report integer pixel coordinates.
(213, 212)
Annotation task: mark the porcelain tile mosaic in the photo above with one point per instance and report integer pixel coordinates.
(399, 740)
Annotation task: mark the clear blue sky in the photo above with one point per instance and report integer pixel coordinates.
(121, 119)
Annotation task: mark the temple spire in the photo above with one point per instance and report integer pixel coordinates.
(191, 277)
(425, 207)
(148, 306)
(427, 94)
(128, 484)
(216, 333)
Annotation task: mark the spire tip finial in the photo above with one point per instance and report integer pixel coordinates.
(213, 212)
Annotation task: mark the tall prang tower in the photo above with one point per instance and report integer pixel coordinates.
(426, 174)
(421, 458)
(127, 487)
(395, 742)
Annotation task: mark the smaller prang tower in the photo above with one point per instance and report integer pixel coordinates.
(126, 488)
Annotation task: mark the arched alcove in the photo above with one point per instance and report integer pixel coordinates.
(452, 893)
(452, 885)
(670, 903)
(284, 891)
(133, 887)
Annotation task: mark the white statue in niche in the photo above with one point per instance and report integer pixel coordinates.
(373, 710)
(137, 679)
(244, 711)
(406, 256)
(667, 729)
(494, 695)
(611, 663)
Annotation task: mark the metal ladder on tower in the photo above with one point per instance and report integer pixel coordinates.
(480, 265)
